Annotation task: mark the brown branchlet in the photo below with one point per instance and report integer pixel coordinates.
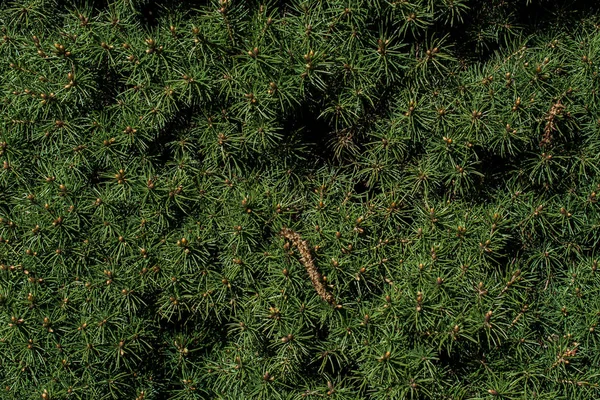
(556, 110)
(307, 260)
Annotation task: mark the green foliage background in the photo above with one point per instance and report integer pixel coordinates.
(440, 156)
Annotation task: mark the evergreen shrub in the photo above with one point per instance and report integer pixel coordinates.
(345, 199)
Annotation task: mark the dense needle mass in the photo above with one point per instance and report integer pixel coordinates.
(349, 199)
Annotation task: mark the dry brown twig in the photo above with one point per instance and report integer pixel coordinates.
(556, 110)
(306, 259)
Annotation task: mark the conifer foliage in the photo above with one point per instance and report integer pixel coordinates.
(346, 199)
